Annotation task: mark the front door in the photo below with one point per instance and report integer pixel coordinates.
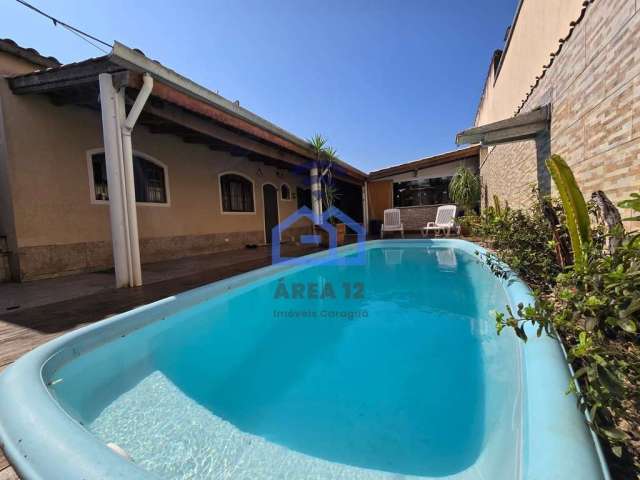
(270, 198)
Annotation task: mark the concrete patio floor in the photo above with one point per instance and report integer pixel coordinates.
(21, 296)
(32, 313)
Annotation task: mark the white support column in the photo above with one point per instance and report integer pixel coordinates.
(316, 194)
(112, 107)
(118, 149)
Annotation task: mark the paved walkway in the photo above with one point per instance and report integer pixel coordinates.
(34, 312)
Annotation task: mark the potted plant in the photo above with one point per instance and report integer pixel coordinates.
(464, 190)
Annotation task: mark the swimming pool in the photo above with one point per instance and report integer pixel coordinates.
(389, 369)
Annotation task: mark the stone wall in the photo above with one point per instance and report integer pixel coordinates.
(593, 86)
(509, 172)
(45, 261)
(414, 218)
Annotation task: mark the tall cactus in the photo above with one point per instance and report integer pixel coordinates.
(496, 205)
(575, 208)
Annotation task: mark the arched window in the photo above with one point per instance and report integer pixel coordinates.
(285, 192)
(148, 177)
(149, 181)
(237, 193)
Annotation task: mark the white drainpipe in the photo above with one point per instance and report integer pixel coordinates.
(130, 192)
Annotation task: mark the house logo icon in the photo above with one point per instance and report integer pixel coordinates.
(356, 255)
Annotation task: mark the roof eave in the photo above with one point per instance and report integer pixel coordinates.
(172, 87)
(427, 162)
(29, 54)
(137, 62)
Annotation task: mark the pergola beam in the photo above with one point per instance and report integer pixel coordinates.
(513, 134)
(523, 127)
(534, 125)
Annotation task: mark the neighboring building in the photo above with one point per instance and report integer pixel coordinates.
(567, 82)
(417, 188)
(208, 174)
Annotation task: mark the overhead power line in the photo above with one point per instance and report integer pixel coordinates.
(90, 39)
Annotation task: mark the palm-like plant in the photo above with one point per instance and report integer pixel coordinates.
(318, 145)
(325, 156)
(464, 188)
(575, 209)
(330, 192)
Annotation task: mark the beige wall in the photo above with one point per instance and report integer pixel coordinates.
(49, 179)
(9, 65)
(12, 65)
(539, 26)
(593, 86)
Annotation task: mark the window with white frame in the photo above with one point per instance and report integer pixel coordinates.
(148, 177)
(237, 193)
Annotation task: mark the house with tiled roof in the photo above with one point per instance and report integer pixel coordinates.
(117, 160)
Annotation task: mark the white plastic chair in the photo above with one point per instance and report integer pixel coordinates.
(392, 222)
(445, 218)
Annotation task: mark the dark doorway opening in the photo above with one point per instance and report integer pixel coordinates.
(270, 199)
(350, 202)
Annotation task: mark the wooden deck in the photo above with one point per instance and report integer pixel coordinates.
(25, 328)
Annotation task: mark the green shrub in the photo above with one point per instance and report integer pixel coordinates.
(634, 204)
(521, 238)
(595, 310)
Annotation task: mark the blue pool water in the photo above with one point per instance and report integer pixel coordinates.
(408, 379)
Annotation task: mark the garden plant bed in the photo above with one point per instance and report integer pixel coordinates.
(592, 306)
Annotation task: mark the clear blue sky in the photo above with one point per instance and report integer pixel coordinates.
(386, 81)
